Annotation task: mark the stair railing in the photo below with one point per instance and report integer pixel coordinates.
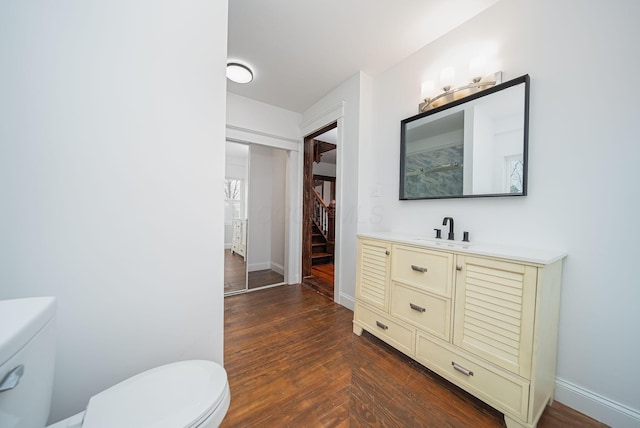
(324, 217)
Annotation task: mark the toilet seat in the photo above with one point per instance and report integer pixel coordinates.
(182, 394)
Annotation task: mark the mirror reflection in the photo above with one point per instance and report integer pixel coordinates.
(473, 147)
(235, 217)
(254, 228)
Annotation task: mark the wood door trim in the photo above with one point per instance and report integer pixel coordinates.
(307, 183)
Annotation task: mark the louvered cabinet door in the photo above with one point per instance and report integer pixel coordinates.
(495, 310)
(373, 273)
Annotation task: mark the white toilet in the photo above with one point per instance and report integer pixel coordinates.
(187, 394)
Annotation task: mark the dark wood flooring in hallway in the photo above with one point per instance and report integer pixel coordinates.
(293, 361)
(321, 279)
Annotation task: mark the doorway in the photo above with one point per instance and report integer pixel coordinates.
(255, 220)
(319, 210)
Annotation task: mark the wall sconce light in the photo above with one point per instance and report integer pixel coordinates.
(479, 82)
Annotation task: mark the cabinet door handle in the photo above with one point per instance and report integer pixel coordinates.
(461, 369)
(458, 267)
(382, 326)
(416, 307)
(418, 268)
(387, 252)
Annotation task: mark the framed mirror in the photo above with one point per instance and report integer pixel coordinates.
(472, 147)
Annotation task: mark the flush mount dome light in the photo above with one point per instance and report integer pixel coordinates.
(239, 73)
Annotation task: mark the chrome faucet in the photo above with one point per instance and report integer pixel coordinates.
(444, 223)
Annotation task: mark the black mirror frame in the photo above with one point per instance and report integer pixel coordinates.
(517, 81)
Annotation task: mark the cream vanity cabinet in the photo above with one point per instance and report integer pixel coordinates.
(484, 319)
(239, 237)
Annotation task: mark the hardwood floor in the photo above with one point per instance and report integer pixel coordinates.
(260, 278)
(293, 361)
(235, 268)
(323, 272)
(321, 279)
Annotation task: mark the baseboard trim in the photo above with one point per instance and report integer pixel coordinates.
(277, 268)
(347, 301)
(596, 406)
(259, 266)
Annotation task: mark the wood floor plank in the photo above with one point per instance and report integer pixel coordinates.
(235, 267)
(293, 361)
(260, 278)
(236, 277)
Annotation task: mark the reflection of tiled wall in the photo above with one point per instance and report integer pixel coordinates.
(445, 183)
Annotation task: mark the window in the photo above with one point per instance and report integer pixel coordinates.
(514, 169)
(232, 197)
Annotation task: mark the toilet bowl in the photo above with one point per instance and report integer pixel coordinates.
(186, 394)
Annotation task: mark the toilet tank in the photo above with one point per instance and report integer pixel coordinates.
(27, 356)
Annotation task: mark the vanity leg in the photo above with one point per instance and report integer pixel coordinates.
(357, 330)
(512, 423)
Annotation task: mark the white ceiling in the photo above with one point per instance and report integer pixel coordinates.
(299, 50)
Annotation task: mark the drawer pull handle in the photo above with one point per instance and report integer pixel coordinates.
(416, 307)
(418, 268)
(461, 369)
(382, 326)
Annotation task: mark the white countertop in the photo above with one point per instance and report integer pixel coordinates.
(530, 255)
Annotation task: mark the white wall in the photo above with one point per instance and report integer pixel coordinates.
(278, 209)
(112, 125)
(236, 166)
(583, 175)
(324, 168)
(259, 219)
(266, 220)
(263, 119)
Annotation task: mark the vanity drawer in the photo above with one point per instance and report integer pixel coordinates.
(426, 311)
(500, 389)
(399, 336)
(428, 270)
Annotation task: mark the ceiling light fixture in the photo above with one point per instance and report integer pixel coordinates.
(239, 73)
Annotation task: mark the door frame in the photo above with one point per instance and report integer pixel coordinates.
(333, 114)
(307, 206)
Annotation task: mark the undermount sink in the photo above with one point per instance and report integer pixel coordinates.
(443, 243)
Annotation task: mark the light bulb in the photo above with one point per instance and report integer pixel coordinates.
(427, 89)
(447, 77)
(477, 68)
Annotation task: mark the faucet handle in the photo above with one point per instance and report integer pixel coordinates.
(438, 233)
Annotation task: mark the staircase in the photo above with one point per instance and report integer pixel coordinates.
(322, 231)
(320, 254)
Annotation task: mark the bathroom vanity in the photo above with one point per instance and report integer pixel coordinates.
(483, 317)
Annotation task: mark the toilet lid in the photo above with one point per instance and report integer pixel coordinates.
(172, 396)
